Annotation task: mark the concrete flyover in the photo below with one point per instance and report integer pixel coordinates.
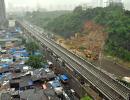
(105, 84)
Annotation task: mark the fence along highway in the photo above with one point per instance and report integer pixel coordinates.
(108, 86)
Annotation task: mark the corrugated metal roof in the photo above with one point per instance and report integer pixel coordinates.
(5, 96)
(33, 94)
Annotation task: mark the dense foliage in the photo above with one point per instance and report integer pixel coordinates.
(114, 18)
(68, 24)
(31, 47)
(86, 98)
(35, 61)
(42, 18)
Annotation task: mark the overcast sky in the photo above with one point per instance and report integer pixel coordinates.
(44, 2)
(52, 4)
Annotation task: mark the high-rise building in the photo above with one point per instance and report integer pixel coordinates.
(2, 13)
(117, 3)
(101, 3)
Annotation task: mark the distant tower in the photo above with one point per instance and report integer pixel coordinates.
(101, 3)
(111, 1)
(108, 2)
(2, 13)
(114, 1)
(117, 2)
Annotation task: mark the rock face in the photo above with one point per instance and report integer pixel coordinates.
(2, 13)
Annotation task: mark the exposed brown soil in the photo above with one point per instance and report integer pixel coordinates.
(89, 45)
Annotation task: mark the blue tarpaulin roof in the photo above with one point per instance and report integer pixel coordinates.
(22, 50)
(12, 50)
(25, 54)
(4, 65)
(1, 75)
(37, 53)
(22, 54)
(30, 82)
(18, 29)
(16, 54)
(56, 84)
(63, 77)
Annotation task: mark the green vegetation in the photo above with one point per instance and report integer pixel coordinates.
(42, 18)
(114, 18)
(35, 61)
(23, 40)
(86, 98)
(81, 48)
(31, 47)
(68, 24)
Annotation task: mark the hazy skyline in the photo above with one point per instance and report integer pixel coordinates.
(53, 4)
(48, 4)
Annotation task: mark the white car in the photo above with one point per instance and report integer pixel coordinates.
(57, 87)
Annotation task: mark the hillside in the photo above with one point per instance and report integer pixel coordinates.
(86, 45)
(101, 28)
(114, 21)
(42, 18)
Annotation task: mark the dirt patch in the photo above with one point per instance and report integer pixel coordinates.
(87, 44)
(90, 44)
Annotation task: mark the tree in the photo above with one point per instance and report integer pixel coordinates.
(86, 98)
(78, 9)
(35, 61)
(114, 18)
(23, 40)
(31, 47)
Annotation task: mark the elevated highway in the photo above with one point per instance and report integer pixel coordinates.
(105, 84)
